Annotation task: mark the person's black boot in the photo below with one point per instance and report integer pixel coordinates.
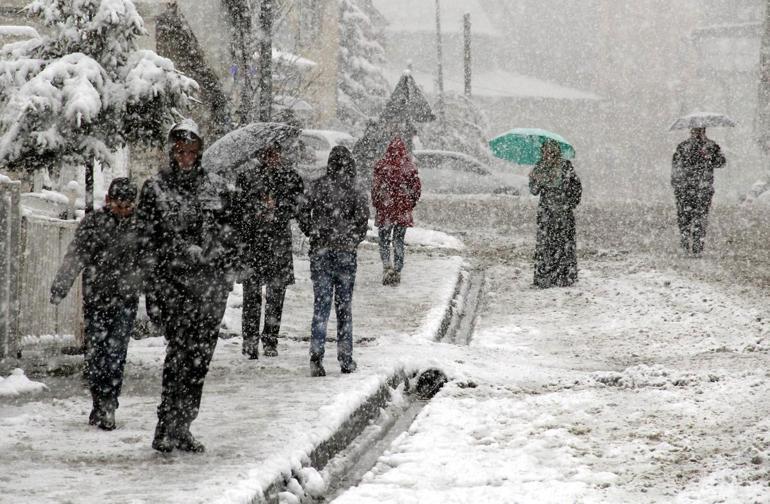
(269, 345)
(316, 368)
(250, 348)
(96, 411)
(163, 441)
(348, 367)
(185, 441)
(106, 421)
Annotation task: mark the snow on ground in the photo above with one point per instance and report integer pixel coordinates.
(636, 385)
(259, 419)
(417, 236)
(17, 384)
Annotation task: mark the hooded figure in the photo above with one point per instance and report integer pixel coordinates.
(692, 177)
(187, 255)
(555, 181)
(265, 200)
(334, 216)
(395, 191)
(104, 249)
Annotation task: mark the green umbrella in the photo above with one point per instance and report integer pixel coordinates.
(522, 145)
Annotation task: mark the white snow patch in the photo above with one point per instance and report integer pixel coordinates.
(17, 384)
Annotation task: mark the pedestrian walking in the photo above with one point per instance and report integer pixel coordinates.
(334, 217)
(555, 181)
(104, 249)
(265, 201)
(396, 188)
(187, 255)
(692, 177)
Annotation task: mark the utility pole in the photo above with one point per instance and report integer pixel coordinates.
(763, 98)
(266, 60)
(467, 52)
(440, 67)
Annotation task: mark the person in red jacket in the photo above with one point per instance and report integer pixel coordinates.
(395, 191)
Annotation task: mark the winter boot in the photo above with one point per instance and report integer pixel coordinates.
(106, 421)
(270, 345)
(396, 278)
(316, 368)
(387, 276)
(348, 366)
(163, 442)
(96, 411)
(185, 441)
(250, 348)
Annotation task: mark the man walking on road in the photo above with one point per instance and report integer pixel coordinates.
(104, 249)
(692, 177)
(187, 255)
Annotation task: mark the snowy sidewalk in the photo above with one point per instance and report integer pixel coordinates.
(259, 419)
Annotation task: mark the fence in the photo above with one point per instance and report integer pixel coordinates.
(31, 255)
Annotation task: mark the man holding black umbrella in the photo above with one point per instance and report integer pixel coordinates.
(692, 177)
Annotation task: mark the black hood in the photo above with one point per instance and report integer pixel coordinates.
(341, 164)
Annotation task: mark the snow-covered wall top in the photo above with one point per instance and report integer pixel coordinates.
(415, 17)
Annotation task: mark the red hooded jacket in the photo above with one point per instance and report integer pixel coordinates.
(396, 187)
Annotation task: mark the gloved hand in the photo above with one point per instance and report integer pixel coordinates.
(195, 254)
(56, 298)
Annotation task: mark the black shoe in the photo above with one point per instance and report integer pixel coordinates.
(387, 276)
(93, 418)
(396, 278)
(250, 348)
(163, 442)
(269, 351)
(185, 441)
(316, 368)
(349, 367)
(106, 421)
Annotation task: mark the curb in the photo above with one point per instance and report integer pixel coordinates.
(371, 407)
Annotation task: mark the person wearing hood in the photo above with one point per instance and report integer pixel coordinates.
(555, 181)
(692, 177)
(186, 252)
(396, 188)
(104, 249)
(265, 200)
(334, 217)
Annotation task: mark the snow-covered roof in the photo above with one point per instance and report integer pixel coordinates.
(502, 84)
(412, 16)
(18, 31)
(291, 59)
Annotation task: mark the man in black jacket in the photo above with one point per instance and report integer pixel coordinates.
(265, 200)
(104, 249)
(187, 258)
(692, 177)
(334, 217)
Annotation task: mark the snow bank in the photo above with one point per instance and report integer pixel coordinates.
(17, 384)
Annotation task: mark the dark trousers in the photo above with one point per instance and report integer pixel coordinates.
(108, 331)
(392, 233)
(334, 275)
(191, 326)
(692, 209)
(275, 294)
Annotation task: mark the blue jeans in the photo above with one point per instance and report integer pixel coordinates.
(333, 274)
(108, 331)
(395, 233)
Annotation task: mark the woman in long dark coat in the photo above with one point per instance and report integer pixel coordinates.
(555, 181)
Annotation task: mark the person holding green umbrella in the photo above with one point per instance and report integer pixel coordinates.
(553, 178)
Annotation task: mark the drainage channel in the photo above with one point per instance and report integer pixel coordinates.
(354, 449)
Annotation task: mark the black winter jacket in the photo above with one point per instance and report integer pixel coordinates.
(105, 250)
(692, 167)
(336, 212)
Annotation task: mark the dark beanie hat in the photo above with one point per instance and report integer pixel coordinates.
(122, 189)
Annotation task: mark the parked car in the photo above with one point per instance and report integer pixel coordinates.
(454, 172)
(314, 148)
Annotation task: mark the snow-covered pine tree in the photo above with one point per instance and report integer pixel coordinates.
(361, 84)
(464, 130)
(82, 92)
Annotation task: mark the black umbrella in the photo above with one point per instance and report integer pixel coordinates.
(240, 146)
